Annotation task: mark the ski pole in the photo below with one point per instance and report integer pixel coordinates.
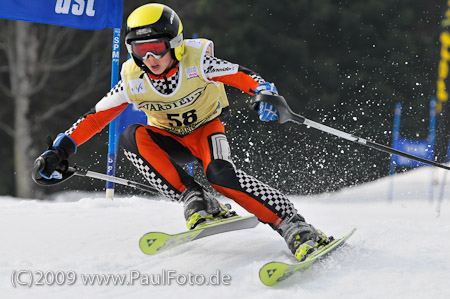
(285, 114)
(82, 171)
(68, 171)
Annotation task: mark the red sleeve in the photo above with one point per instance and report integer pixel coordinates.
(92, 123)
(240, 80)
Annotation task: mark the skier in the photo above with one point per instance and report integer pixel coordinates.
(179, 84)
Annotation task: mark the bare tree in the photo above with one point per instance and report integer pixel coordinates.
(34, 60)
(35, 52)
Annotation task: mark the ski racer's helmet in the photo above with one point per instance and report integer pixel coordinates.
(154, 29)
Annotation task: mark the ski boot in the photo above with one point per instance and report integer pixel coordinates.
(201, 208)
(302, 238)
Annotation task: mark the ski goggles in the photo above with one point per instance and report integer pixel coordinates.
(154, 47)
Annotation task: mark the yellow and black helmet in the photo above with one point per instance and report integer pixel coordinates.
(152, 23)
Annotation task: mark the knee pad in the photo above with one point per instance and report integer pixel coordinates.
(222, 173)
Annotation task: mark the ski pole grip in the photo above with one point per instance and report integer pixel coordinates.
(37, 168)
(284, 111)
(39, 165)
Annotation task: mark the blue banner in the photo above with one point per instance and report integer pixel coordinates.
(419, 148)
(82, 14)
(130, 116)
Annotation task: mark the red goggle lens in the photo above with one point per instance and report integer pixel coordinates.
(155, 47)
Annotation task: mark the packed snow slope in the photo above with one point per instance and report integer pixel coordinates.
(400, 250)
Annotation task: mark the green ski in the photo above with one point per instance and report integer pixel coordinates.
(157, 242)
(274, 272)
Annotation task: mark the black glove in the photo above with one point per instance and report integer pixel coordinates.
(53, 162)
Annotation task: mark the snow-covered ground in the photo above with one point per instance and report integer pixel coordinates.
(400, 250)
